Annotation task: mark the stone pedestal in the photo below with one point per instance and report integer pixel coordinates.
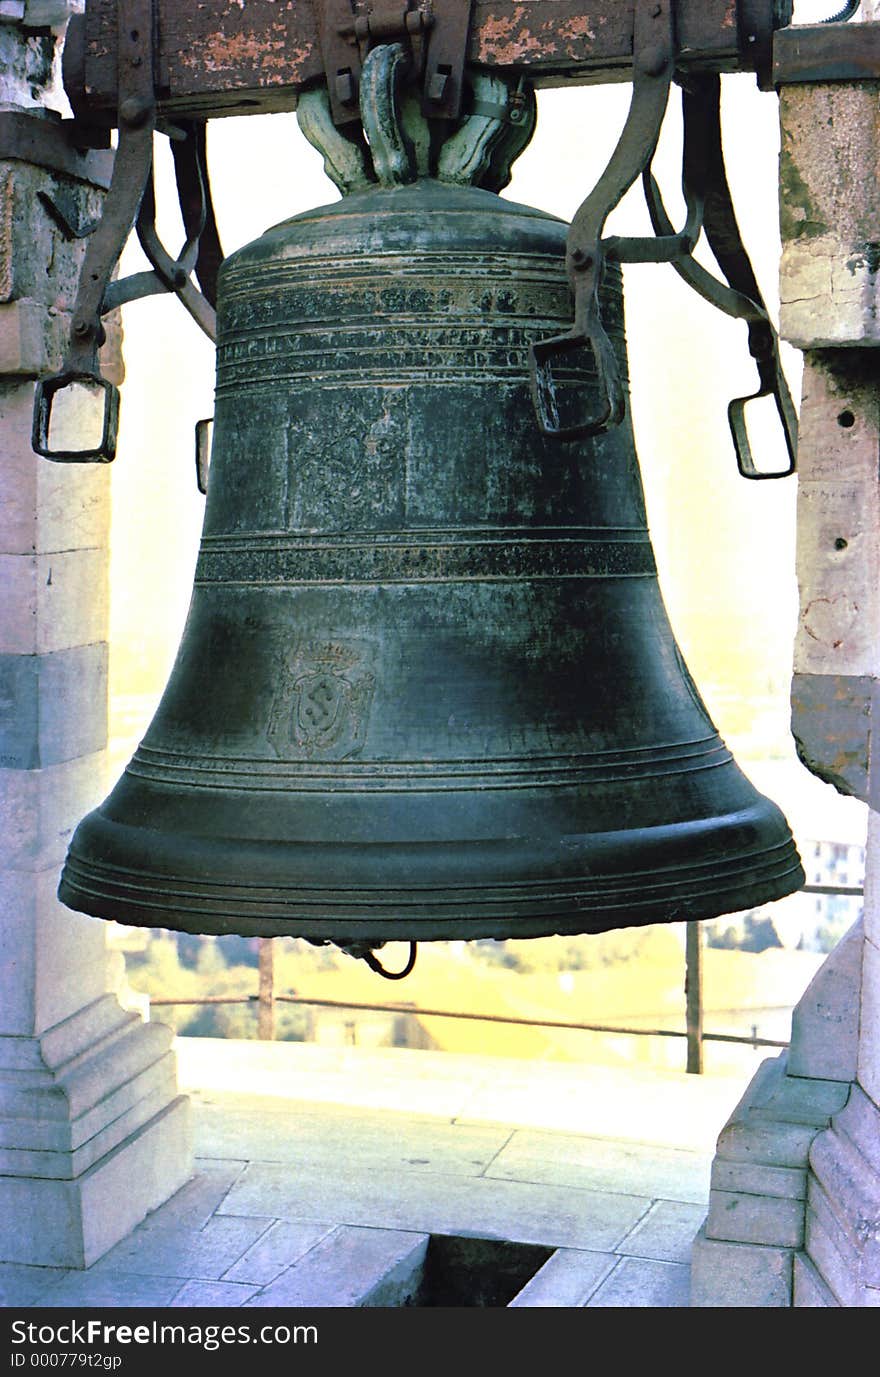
(794, 1217)
(747, 1251)
(92, 1132)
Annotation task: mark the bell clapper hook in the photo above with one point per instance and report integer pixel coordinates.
(362, 952)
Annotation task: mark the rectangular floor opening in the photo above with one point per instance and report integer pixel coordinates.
(476, 1271)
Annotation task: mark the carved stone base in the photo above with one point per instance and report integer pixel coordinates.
(92, 1135)
(843, 1205)
(744, 1254)
(761, 1218)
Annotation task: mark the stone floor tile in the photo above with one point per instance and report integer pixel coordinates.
(596, 1164)
(109, 1289)
(387, 1078)
(279, 1247)
(640, 1283)
(483, 1206)
(666, 1233)
(22, 1285)
(370, 1138)
(180, 1250)
(347, 1267)
(214, 1294)
(566, 1280)
(661, 1107)
(194, 1204)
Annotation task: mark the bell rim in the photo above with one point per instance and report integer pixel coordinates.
(393, 908)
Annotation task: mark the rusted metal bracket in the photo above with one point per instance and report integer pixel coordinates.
(54, 145)
(834, 52)
(757, 22)
(341, 56)
(435, 37)
(654, 51)
(705, 182)
(131, 168)
(445, 58)
(129, 201)
(709, 205)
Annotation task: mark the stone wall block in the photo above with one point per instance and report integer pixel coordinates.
(838, 519)
(119, 1059)
(739, 1275)
(810, 1291)
(38, 262)
(67, 1038)
(54, 1223)
(72, 960)
(829, 217)
(859, 1121)
(52, 961)
(869, 1042)
(22, 1133)
(68, 1162)
(92, 1081)
(824, 1035)
(44, 506)
(831, 1250)
(844, 1187)
(767, 1144)
(754, 1178)
(740, 1218)
(23, 339)
(792, 1100)
(128, 1184)
(812, 273)
(54, 601)
(53, 707)
(40, 808)
(20, 894)
(872, 878)
(92, 1134)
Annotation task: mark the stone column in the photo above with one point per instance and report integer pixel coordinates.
(794, 1217)
(92, 1132)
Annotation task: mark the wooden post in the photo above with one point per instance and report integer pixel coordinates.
(266, 996)
(693, 991)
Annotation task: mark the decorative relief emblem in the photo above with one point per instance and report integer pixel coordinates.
(323, 703)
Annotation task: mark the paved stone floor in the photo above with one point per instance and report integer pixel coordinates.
(321, 1173)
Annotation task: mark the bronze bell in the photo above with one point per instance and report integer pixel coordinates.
(427, 687)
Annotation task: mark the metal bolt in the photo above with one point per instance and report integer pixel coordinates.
(653, 60)
(134, 112)
(581, 259)
(81, 328)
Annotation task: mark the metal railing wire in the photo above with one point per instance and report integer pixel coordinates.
(694, 1032)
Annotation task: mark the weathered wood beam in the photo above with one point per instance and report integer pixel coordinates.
(225, 57)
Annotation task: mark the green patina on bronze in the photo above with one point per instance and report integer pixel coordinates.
(427, 688)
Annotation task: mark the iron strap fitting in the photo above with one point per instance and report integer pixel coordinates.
(709, 207)
(827, 52)
(131, 169)
(434, 34)
(54, 144)
(654, 53)
(130, 202)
